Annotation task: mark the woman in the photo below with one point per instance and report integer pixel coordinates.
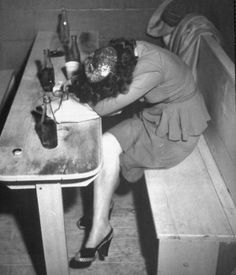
(160, 135)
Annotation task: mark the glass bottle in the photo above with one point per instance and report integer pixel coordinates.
(74, 53)
(46, 127)
(64, 29)
(47, 73)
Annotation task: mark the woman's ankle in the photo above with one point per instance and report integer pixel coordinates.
(97, 234)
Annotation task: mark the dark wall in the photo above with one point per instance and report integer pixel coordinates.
(21, 19)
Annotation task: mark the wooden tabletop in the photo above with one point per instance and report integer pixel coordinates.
(78, 154)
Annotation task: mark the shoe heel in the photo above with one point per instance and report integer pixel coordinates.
(103, 250)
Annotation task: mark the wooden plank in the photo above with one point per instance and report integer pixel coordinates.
(218, 87)
(217, 84)
(221, 189)
(187, 257)
(162, 216)
(73, 182)
(125, 22)
(129, 23)
(227, 65)
(52, 228)
(226, 259)
(15, 5)
(77, 4)
(184, 202)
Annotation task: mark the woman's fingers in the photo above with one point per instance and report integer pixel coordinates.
(66, 85)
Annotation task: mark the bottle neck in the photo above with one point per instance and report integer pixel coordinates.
(47, 59)
(64, 18)
(74, 49)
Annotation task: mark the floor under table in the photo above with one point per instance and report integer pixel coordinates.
(131, 251)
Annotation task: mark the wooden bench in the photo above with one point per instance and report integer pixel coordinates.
(7, 83)
(193, 211)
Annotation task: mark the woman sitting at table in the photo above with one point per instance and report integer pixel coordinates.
(160, 135)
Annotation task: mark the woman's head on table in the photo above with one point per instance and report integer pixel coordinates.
(106, 72)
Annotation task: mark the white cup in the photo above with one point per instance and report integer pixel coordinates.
(71, 68)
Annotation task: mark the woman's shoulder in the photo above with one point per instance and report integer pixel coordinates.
(155, 54)
(149, 59)
(144, 48)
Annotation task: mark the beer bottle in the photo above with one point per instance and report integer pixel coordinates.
(46, 127)
(74, 53)
(47, 73)
(72, 59)
(64, 29)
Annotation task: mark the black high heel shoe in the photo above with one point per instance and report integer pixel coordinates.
(85, 222)
(86, 256)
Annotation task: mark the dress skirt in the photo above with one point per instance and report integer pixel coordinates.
(160, 137)
(142, 148)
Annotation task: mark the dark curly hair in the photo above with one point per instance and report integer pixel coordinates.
(114, 83)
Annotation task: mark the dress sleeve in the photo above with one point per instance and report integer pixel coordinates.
(140, 85)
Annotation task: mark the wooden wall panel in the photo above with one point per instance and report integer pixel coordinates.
(131, 23)
(100, 21)
(135, 23)
(217, 84)
(221, 13)
(76, 4)
(24, 23)
(20, 20)
(16, 24)
(15, 4)
(13, 54)
(94, 4)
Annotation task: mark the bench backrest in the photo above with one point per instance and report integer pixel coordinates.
(216, 79)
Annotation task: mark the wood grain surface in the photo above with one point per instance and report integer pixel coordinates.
(78, 154)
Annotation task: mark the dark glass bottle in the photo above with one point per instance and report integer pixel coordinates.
(74, 53)
(47, 74)
(64, 29)
(46, 127)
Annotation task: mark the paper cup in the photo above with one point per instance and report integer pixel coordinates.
(71, 68)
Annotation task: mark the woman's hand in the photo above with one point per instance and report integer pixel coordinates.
(66, 85)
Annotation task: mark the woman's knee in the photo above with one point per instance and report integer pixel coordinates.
(110, 147)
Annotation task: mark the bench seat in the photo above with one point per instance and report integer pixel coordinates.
(193, 203)
(193, 214)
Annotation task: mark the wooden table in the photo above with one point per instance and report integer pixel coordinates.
(25, 163)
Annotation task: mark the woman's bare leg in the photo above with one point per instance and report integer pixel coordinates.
(104, 188)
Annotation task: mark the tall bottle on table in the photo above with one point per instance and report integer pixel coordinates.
(64, 30)
(47, 73)
(46, 127)
(72, 58)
